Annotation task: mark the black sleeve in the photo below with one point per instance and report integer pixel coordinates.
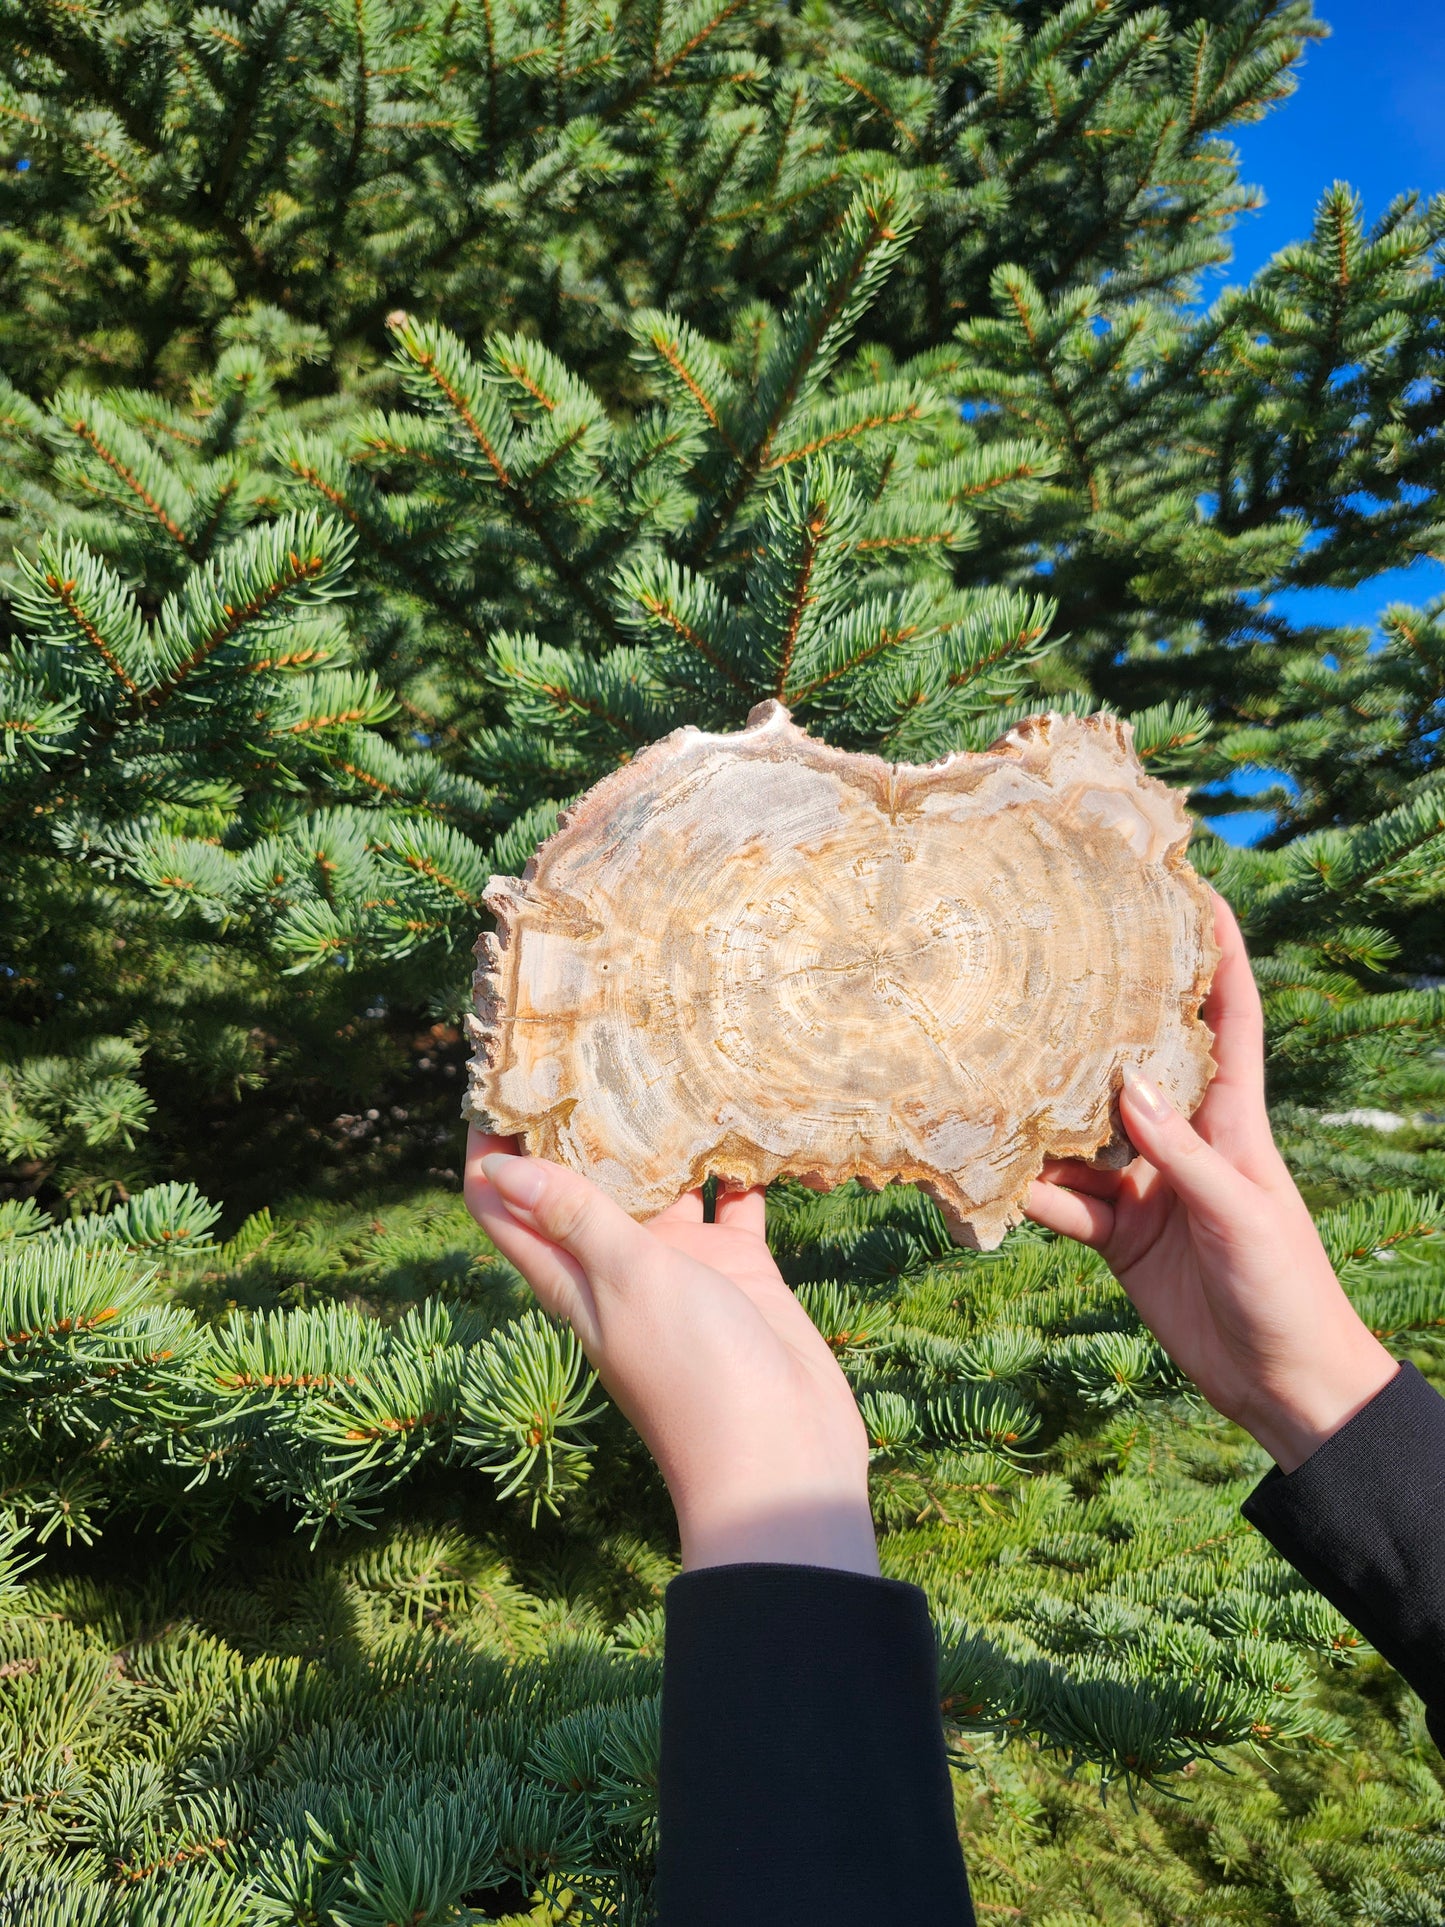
(1364, 1520)
(803, 1774)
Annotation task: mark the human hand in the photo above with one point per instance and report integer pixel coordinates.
(1208, 1235)
(693, 1332)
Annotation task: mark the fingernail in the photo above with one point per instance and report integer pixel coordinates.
(517, 1181)
(1145, 1095)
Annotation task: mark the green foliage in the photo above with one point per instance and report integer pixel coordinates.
(467, 1702)
(553, 171)
(110, 1397)
(410, 411)
(315, 1739)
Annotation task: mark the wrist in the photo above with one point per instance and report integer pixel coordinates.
(826, 1528)
(1309, 1406)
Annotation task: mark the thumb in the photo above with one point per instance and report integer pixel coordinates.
(572, 1214)
(1203, 1181)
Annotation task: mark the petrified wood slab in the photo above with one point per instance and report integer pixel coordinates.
(754, 954)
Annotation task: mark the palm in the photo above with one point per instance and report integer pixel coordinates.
(1154, 1253)
(735, 1247)
(776, 1333)
(695, 1334)
(736, 1250)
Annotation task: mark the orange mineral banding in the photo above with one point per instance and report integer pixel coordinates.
(753, 954)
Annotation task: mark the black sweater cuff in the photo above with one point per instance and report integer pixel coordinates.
(803, 1773)
(1364, 1520)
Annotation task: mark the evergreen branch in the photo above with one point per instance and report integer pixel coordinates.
(889, 637)
(280, 568)
(77, 606)
(1021, 298)
(129, 480)
(1025, 635)
(439, 358)
(880, 107)
(683, 608)
(694, 365)
(64, 591)
(33, 721)
(874, 234)
(799, 595)
(238, 136)
(657, 75)
(379, 537)
(866, 425)
(347, 182)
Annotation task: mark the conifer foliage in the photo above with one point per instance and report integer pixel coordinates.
(418, 409)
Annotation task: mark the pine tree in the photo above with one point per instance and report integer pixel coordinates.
(400, 450)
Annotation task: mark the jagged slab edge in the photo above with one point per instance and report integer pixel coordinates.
(981, 1230)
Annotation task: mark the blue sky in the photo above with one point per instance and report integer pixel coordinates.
(1370, 110)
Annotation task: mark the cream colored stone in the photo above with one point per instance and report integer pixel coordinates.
(753, 954)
